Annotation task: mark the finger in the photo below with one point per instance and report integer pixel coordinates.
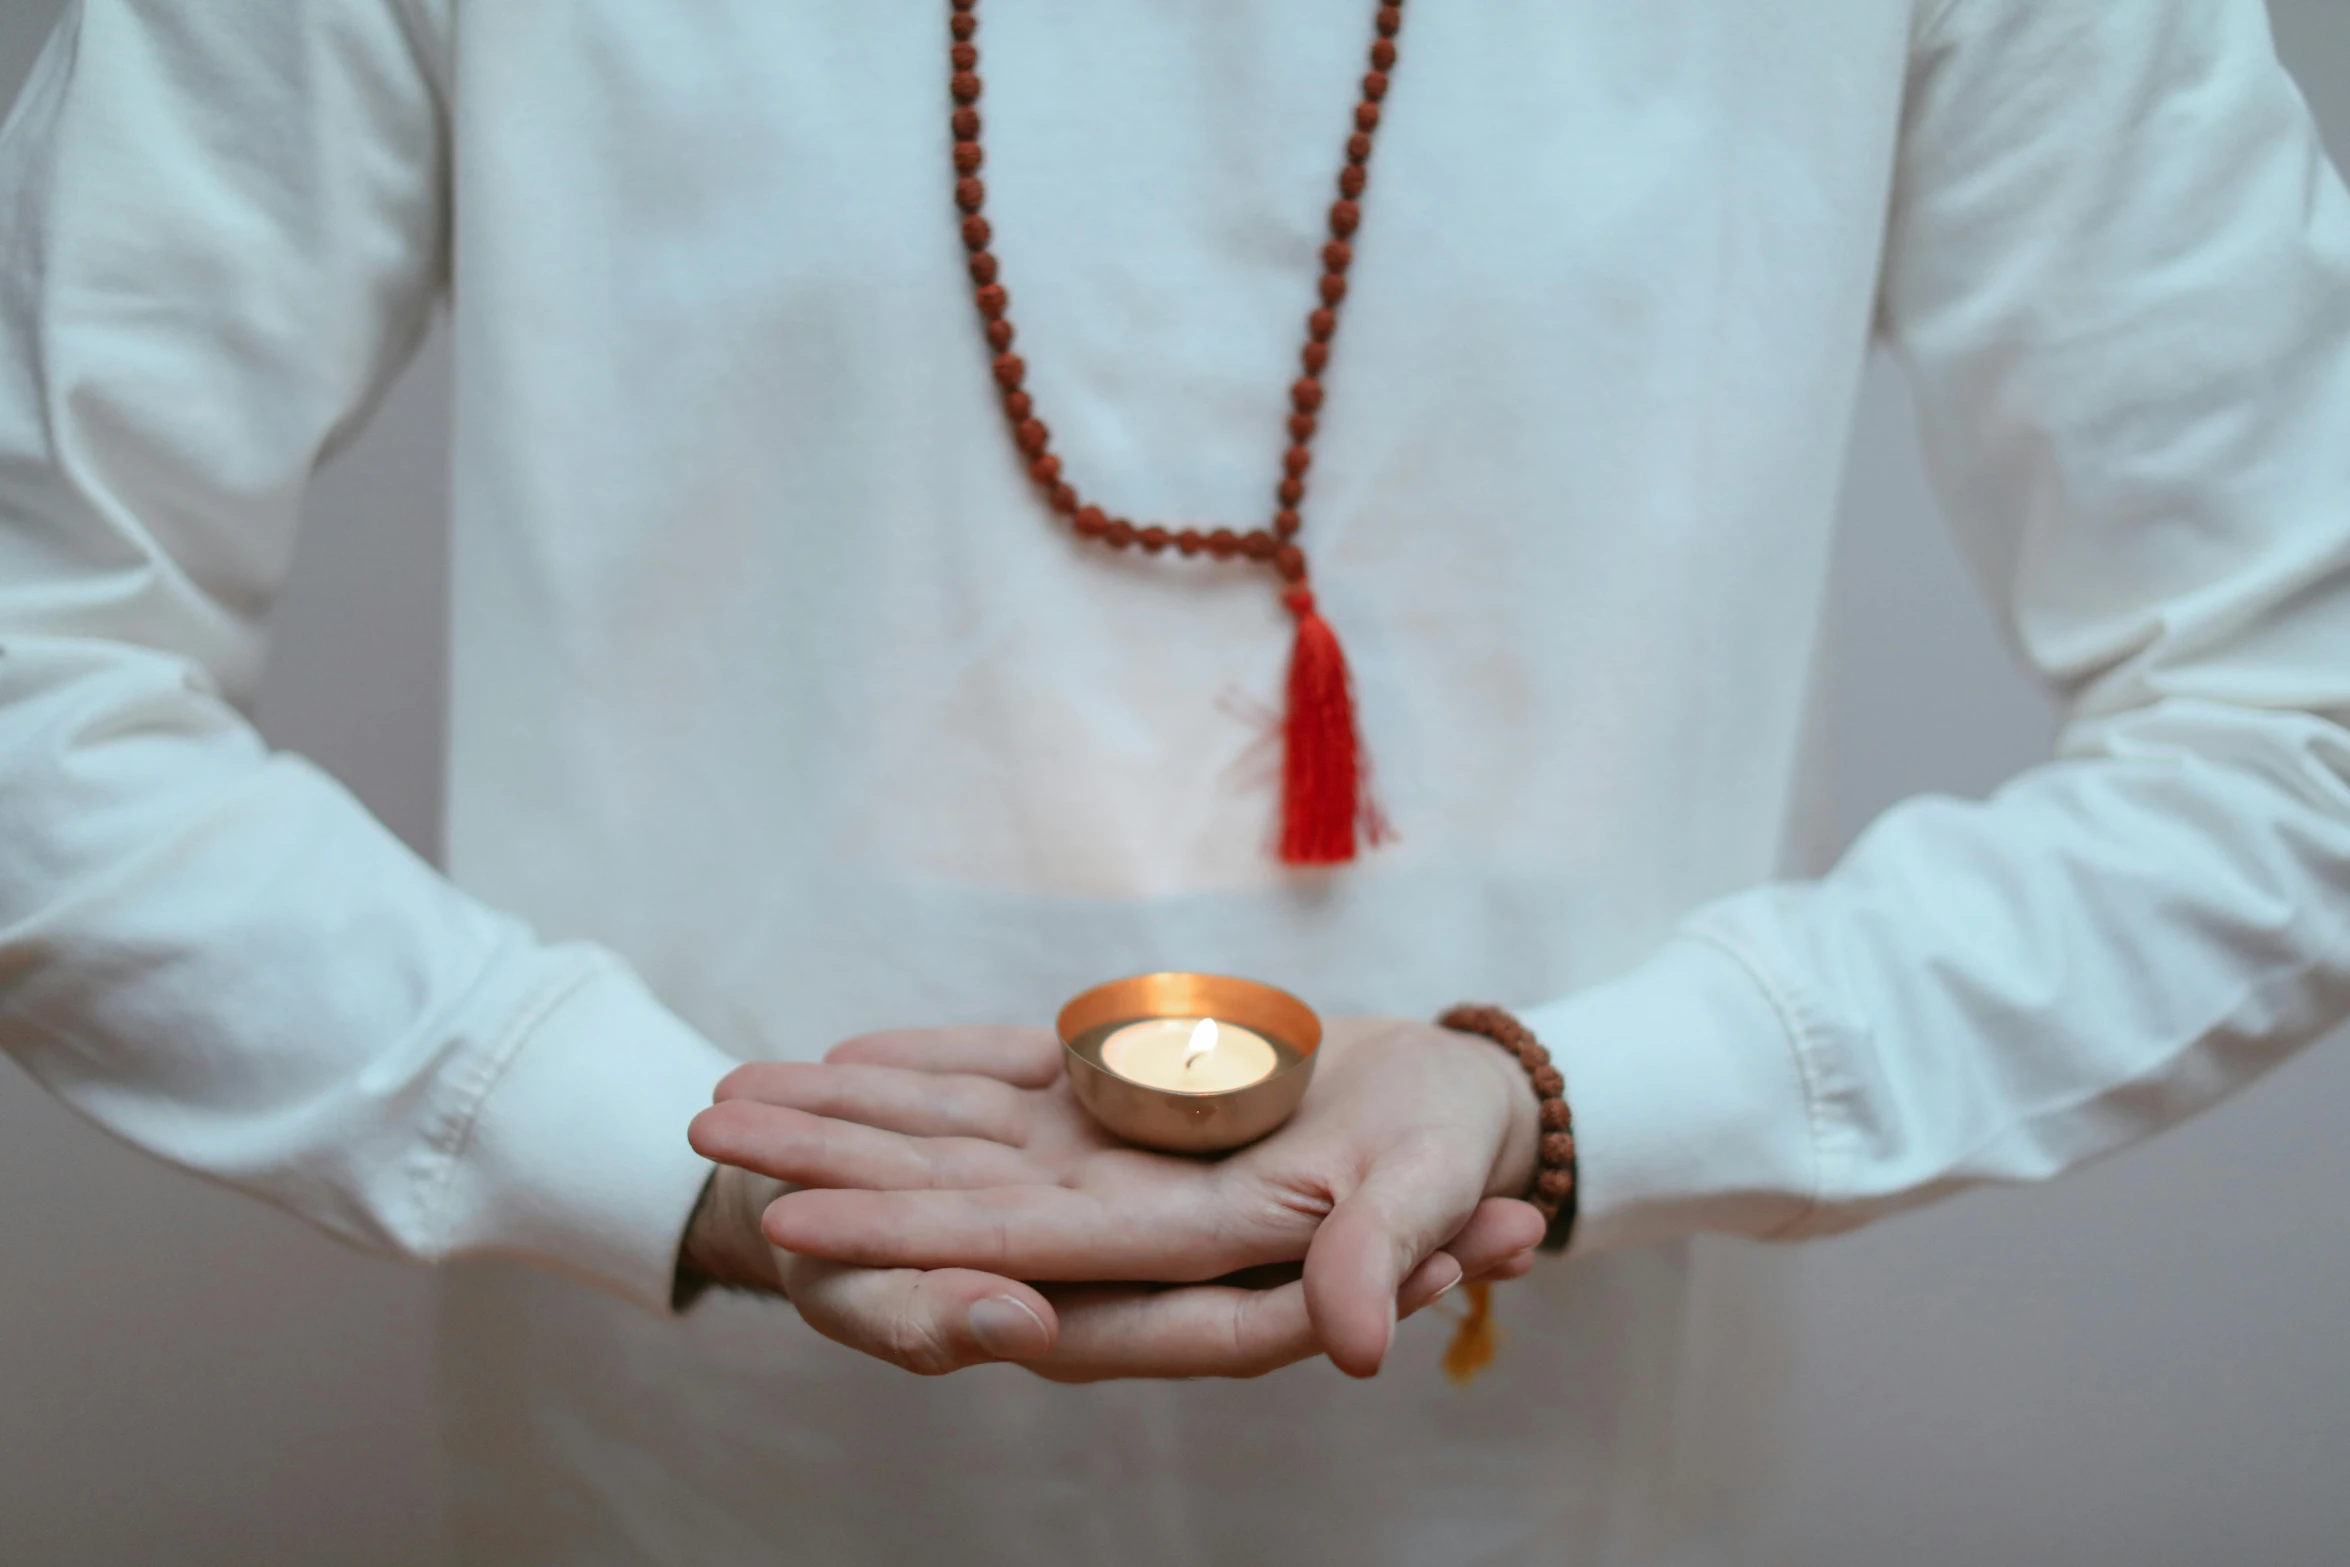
(926, 1323)
(1205, 1330)
(1214, 1330)
(920, 1104)
(1516, 1267)
(1169, 1223)
(813, 1150)
(1500, 1228)
(1430, 1279)
(1023, 1057)
(1365, 1250)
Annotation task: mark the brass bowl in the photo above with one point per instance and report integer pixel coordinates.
(1168, 1119)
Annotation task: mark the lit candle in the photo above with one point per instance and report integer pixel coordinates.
(1189, 1055)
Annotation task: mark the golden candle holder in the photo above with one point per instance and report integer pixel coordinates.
(1173, 1120)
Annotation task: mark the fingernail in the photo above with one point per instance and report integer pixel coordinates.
(1448, 1289)
(1007, 1329)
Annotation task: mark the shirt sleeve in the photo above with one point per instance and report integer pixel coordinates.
(2118, 275)
(222, 230)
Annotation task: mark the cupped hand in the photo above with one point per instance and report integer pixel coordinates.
(958, 1160)
(933, 1321)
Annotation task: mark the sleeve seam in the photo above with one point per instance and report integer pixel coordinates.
(1797, 1037)
(451, 1136)
(1930, 22)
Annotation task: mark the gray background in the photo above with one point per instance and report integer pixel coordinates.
(2148, 1362)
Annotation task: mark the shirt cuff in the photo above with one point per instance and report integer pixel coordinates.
(1690, 1101)
(577, 1157)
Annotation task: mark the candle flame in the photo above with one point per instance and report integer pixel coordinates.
(1202, 1045)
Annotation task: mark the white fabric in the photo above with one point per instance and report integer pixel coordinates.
(773, 679)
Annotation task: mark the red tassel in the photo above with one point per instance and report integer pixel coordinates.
(1325, 796)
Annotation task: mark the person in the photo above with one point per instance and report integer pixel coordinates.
(788, 710)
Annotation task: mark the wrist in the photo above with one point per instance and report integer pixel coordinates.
(1553, 1174)
(723, 1244)
(1518, 1149)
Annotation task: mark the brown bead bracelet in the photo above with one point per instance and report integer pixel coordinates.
(1554, 1188)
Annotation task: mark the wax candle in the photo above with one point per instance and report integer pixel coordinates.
(1189, 1055)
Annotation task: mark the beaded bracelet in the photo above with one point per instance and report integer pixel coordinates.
(1554, 1189)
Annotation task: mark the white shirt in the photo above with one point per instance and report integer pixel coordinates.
(784, 709)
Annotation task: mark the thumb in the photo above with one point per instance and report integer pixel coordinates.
(1363, 1252)
(927, 1322)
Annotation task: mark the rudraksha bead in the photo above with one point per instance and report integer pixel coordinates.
(1552, 1189)
(1273, 545)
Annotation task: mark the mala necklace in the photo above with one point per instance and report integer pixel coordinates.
(1325, 801)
